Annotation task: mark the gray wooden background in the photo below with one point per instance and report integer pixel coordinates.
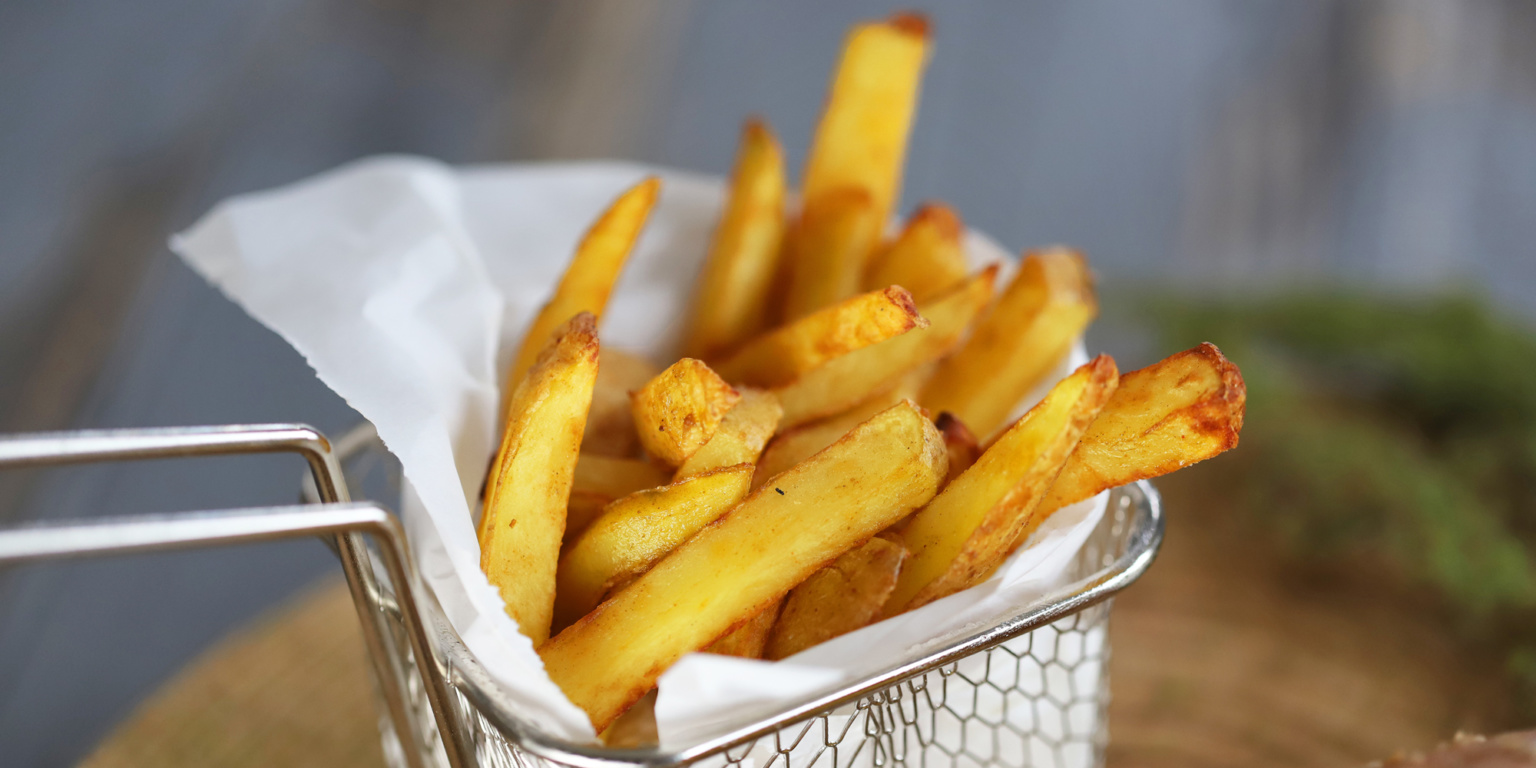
(1230, 145)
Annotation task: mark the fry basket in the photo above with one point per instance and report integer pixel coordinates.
(1030, 691)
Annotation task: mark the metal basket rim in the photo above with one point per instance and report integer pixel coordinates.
(1144, 536)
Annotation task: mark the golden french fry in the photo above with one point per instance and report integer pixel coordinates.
(677, 412)
(730, 304)
(591, 276)
(795, 445)
(963, 450)
(750, 637)
(845, 381)
(1025, 335)
(1167, 416)
(743, 432)
(610, 425)
(836, 600)
(638, 530)
(831, 246)
(928, 258)
(599, 480)
(737, 566)
(861, 140)
(580, 511)
(967, 530)
(785, 353)
(530, 482)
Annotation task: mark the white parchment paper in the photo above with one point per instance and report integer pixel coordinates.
(406, 284)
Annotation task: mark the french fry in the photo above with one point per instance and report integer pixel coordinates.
(837, 599)
(731, 302)
(785, 353)
(743, 562)
(1171, 414)
(960, 444)
(743, 432)
(599, 480)
(591, 276)
(530, 481)
(749, 638)
(967, 530)
(610, 425)
(677, 412)
(638, 530)
(830, 249)
(1025, 335)
(845, 381)
(861, 140)
(795, 445)
(927, 258)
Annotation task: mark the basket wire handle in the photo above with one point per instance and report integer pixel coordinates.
(336, 520)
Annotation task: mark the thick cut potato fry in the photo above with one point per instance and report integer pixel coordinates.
(749, 638)
(677, 412)
(1025, 335)
(861, 140)
(600, 480)
(1167, 416)
(611, 425)
(591, 276)
(731, 302)
(845, 381)
(962, 535)
(743, 432)
(958, 440)
(530, 482)
(638, 530)
(743, 562)
(785, 353)
(928, 258)
(836, 600)
(830, 249)
(793, 446)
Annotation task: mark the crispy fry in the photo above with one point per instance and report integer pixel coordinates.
(963, 450)
(837, 599)
(1023, 337)
(741, 436)
(736, 567)
(861, 140)
(843, 382)
(530, 482)
(677, 412)
(831, 246)
(965, 532)
(928, 258)
(784, 354)
(610, 425)
(730, 304)
(638, 530)
(750, 637)
(590, 278)
(1167, 416)
(795, 445)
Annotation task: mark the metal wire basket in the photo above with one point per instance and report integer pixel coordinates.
(1030, 691)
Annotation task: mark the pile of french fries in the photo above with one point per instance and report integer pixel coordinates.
(834, 446)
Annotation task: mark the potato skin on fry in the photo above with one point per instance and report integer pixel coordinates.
(785, 353)
(843, 382)
(1025, 335)
(530, 481)
(590, 278)
(638, 530)
(732, 299)
(837, 599)
(967, 530)
(1171, 414)
(677, 412)
(747, 559)
(927, 258)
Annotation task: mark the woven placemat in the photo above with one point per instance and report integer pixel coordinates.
(1223, 655)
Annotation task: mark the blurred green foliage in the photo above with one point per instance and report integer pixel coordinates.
(1400, 429)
